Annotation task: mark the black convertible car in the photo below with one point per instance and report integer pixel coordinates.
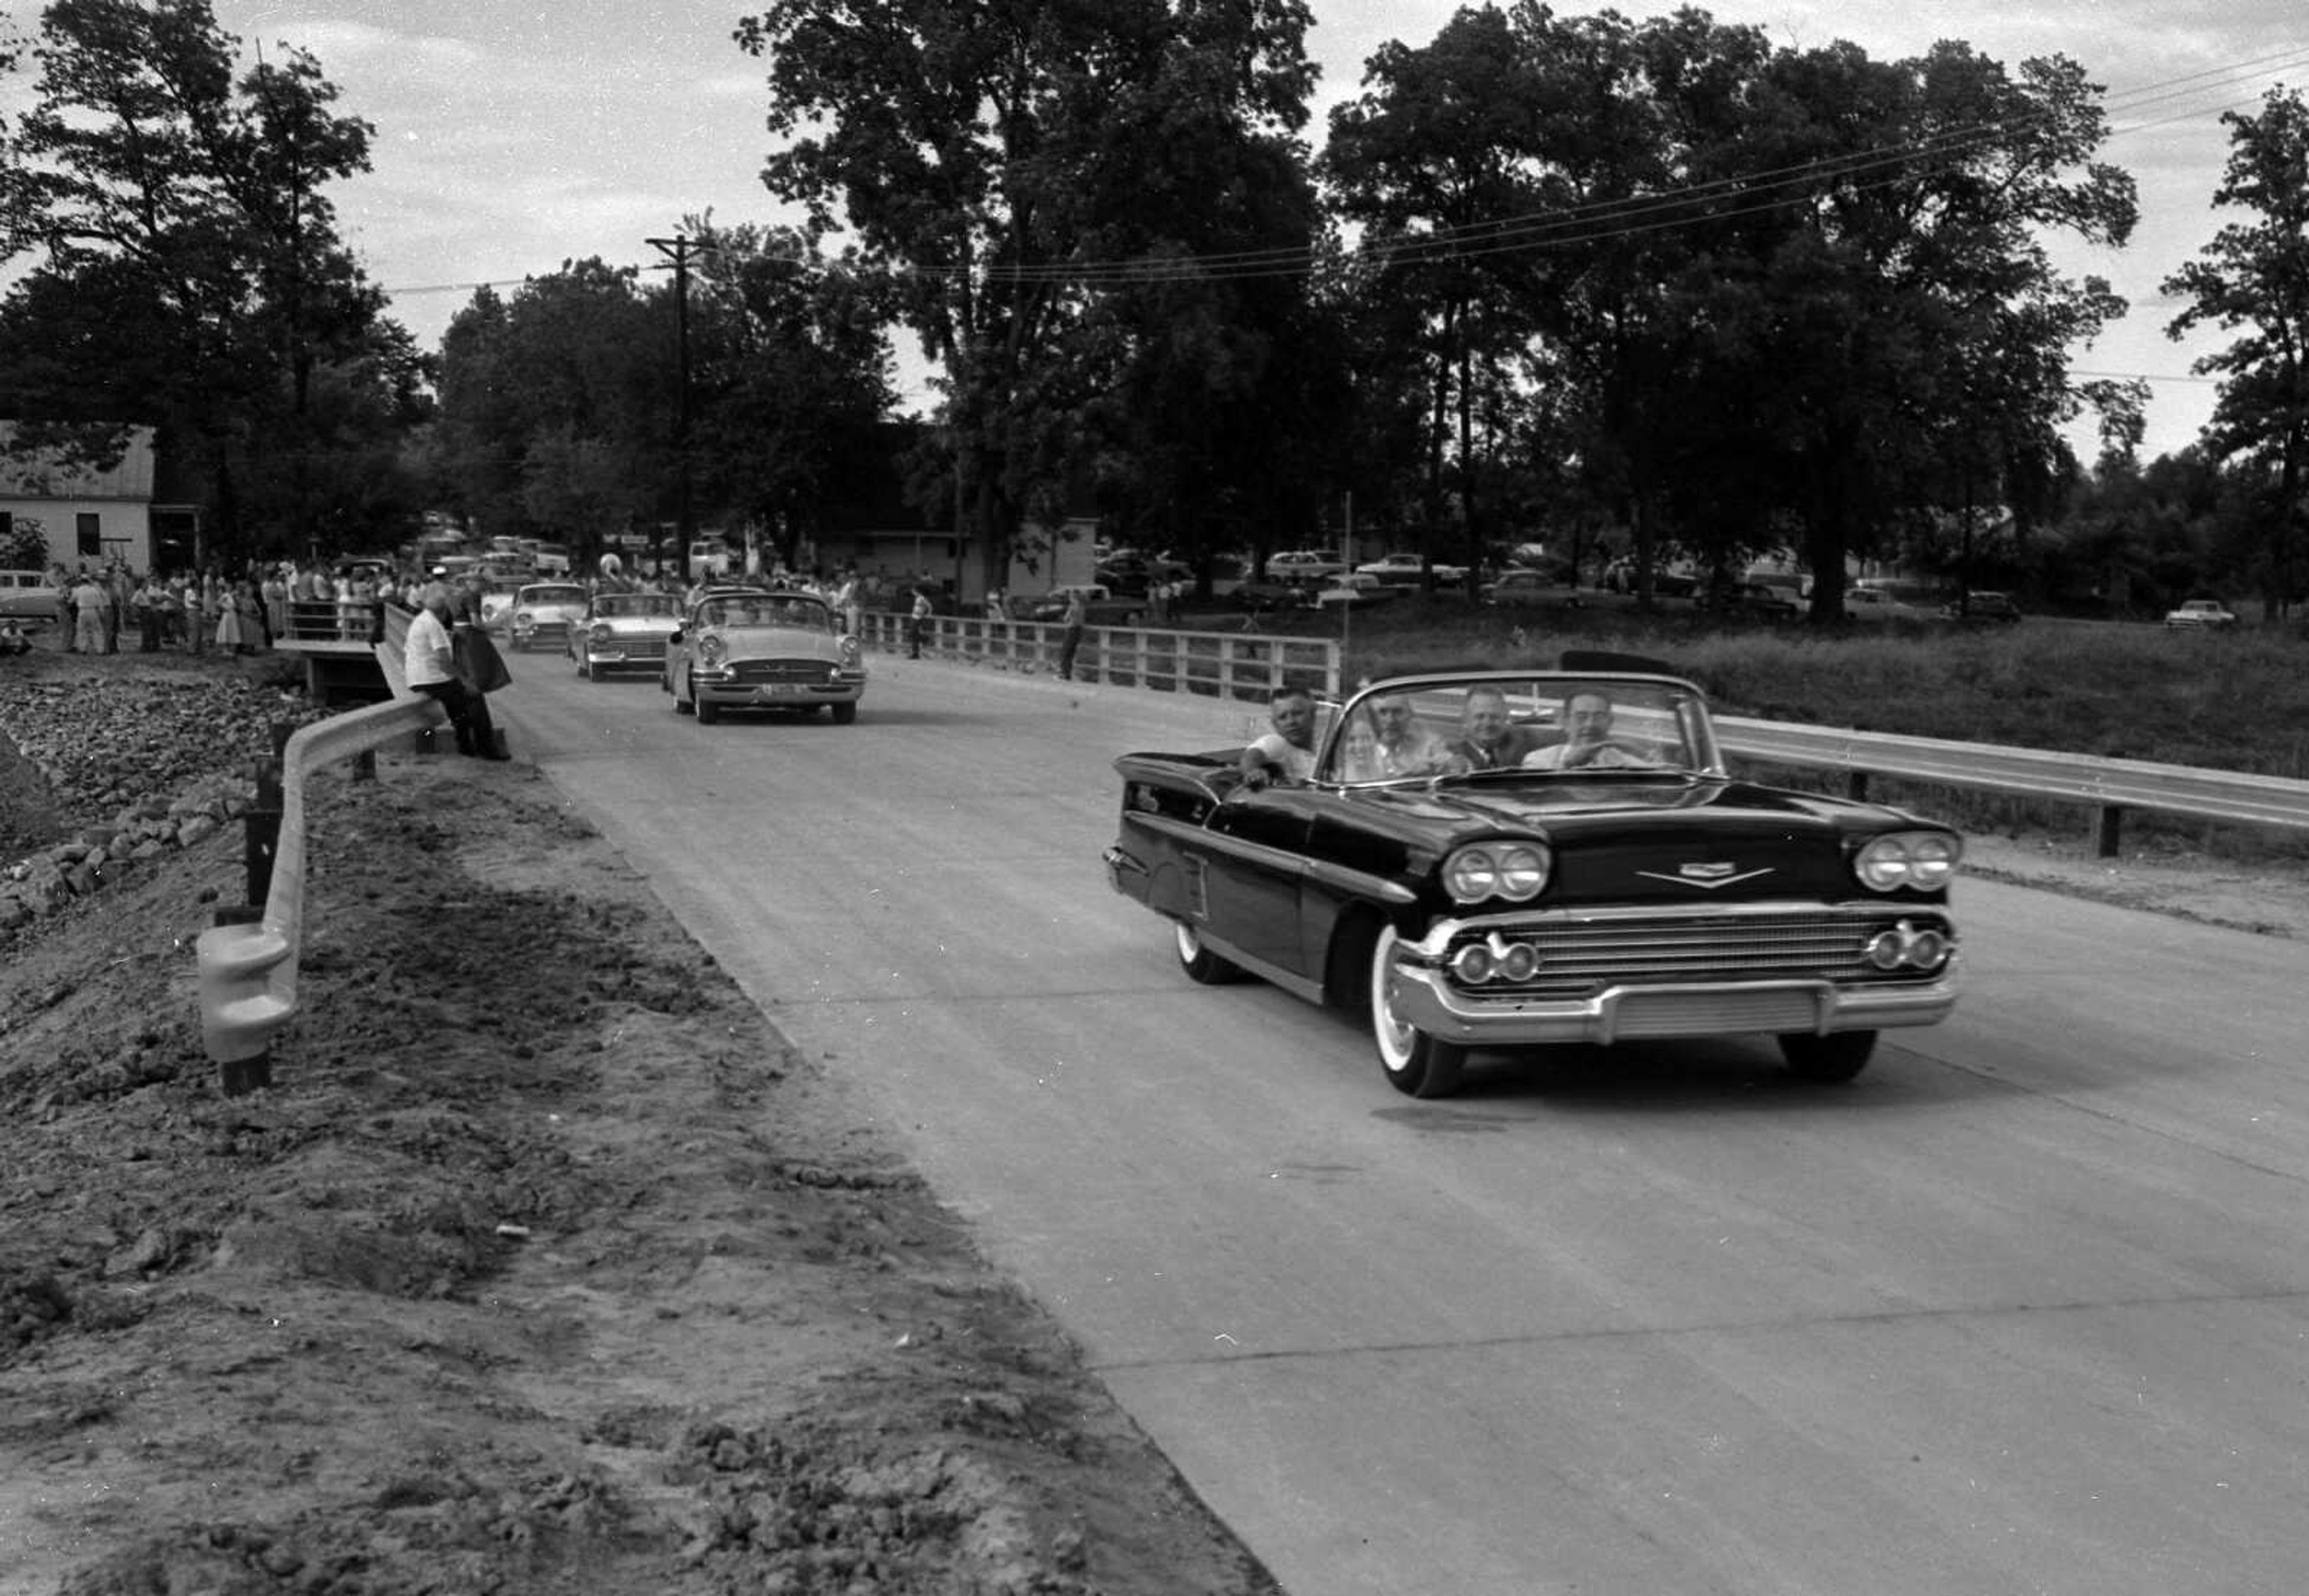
(1504, 860)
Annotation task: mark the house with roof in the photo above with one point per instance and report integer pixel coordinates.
(875, 528)
(85, 514)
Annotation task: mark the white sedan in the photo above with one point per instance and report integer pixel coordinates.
(2210, 614)
(1403, 570)
(1302, 565)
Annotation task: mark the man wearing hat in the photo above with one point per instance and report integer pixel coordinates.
(430, 662)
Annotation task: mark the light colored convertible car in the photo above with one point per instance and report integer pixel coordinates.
(766, 650)
(624, 631)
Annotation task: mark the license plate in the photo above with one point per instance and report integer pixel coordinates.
(779, 689)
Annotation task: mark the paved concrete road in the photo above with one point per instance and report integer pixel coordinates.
(2024, 1309)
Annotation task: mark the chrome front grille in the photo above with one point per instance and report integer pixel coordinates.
(1578, 956)
(800, 672)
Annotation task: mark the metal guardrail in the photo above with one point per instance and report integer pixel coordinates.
(2109, 785)
(1248, 665)
(249, 971)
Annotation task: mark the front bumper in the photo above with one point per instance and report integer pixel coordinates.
(1621, 974)
(620, 652)
(1423, 997)
(725, 691)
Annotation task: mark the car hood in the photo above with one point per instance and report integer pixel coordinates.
(1651, 839)
(782, 642)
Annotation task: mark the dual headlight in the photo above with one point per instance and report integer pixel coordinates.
(1921, 861)
(1515, 871)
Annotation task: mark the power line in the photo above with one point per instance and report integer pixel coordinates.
(1603, 220)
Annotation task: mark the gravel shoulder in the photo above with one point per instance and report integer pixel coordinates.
(546, 1265)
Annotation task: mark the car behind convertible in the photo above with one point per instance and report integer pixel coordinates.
(739, 649)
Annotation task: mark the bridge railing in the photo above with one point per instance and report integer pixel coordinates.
(1241, 666)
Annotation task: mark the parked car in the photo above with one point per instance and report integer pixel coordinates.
(1404, 568)
(762, 649)
(2203, 614)
(1260, 598)
(542, 614)
(29, 596)
(1750, 600)
(1354, 590)
(1101, 606)
(1983, 607)
(1135, 574)
(624, 631)
(1866, 603)
(1303, 565)
(1616, 884)
(1529, 584)
(1622, 576)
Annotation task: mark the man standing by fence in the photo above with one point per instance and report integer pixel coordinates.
(1070, 640)
(918, 623)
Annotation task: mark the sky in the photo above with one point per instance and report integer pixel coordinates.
(513, 136)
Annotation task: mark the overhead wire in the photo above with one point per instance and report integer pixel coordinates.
(1599, 221)
(1604, 220)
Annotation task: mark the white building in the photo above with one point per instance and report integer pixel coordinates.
(86, 515)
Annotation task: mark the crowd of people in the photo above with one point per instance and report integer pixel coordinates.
(112, 609)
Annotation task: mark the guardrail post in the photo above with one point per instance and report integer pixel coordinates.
(261, 826)
(1855, 785)
(238, 1077)
(2111, 819)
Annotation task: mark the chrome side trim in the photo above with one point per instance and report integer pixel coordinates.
(1298, 986)
(1355, 883)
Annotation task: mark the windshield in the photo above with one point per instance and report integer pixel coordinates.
(636, 603)
(1433, 727)
(765, 610)
(552, 595)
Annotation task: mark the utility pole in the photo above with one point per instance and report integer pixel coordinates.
(679, 249)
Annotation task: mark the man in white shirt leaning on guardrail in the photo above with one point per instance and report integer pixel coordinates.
(431, 666)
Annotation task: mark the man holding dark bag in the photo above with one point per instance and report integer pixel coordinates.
(431, 662)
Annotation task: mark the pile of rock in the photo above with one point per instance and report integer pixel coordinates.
(116, 768)
(54, 877)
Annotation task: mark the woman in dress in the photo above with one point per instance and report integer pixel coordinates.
(276, 605)
(229, 638)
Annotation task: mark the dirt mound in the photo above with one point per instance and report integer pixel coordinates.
(545, 1266)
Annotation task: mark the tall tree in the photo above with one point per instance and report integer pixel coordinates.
(2255, 275)
(967, 148)
(792, 376)
(558, 408)
(186, 268)
(1891, 302)
(1446, 149)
